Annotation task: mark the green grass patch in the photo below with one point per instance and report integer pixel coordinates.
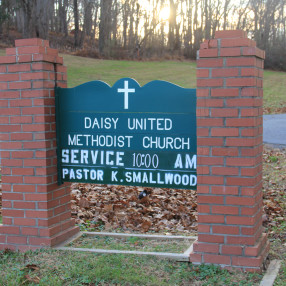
(52, 267)
(81, 70)
(182, 73)
(132, 243)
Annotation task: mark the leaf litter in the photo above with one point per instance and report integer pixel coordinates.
(109, 208)
(118, 208)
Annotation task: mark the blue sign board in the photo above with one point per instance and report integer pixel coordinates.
(127, 134)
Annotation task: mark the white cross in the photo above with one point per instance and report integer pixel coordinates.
(126, 91)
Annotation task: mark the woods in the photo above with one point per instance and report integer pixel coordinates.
(134, 29)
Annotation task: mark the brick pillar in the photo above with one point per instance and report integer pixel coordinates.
(229, 139)
(36, 211)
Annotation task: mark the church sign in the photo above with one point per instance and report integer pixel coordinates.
(127, 134)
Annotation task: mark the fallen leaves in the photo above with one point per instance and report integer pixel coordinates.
(119, 208)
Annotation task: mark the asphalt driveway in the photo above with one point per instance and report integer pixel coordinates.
(274, 130)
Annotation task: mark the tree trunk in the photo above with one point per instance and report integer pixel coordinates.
(104, 26)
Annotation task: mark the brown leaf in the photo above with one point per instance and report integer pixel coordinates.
(146, 225)
(35, 279)
(83, 203)
(32, 267)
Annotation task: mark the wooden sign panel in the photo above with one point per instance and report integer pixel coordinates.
(127, 134)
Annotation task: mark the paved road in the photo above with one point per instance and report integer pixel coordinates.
(274, 130)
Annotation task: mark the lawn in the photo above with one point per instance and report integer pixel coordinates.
(182, 73)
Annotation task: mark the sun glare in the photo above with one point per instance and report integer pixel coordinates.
(164, 14)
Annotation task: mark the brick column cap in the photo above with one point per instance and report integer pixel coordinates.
(228, 34)
(31, 42)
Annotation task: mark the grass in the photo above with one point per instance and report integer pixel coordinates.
(132, 243)
(81, 70)
(52, 267)
(183, 73)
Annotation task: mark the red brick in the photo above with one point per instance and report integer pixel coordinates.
(22, 154)
(250, 211)
(203, 170)
(202, 132)
(208, 53)
(7, 59)
(37, 197)
(203, 228)
(24, 58)
(248, 81)
(231, 250)
(30, 231)
(225, 72)
(241, 142)
(24, 205)
(250, 132)
(242, 42)
(35, 93)
(240, 220)
(37, 145)
(253, 51)
(11, 145)
(210, 141)
(222, 132)
(20, 85)
(24, 188)
(195, 257)
(209, 82)
(39, 214)
(209, 63)
(17, 239)
(3, 85)
(9, 94)
(19, 68)
(24, 221)
(216, 180)
(206, 102)
(3, 69)
(245, 201)
(226, 34)
(235, 181)
(23, 171)
(203, 199)
(21, 119)
(225, 229)
(21, 137)
(202, 73)
(225, 210)
(9, 77)
(12, 213)
(227, 151)
(203, 209)
(217, 259)
(210, 219)
(210, 238)
(209, 122)
(202, 92)
(251, 171)
(247, 261)
(210, 161)
(206, 247)
(243, 122)
(37, 180)
(11, 163)
(203, 151)
(230, 52)
(224, 92)
(203, 189)
(13, 179)
(31, 42)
